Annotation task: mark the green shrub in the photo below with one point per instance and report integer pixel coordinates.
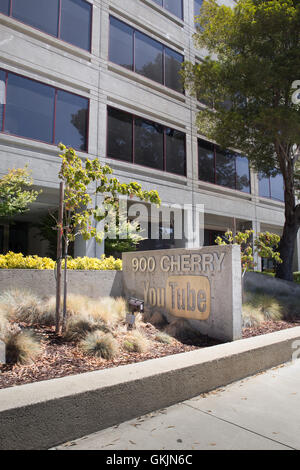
(100, 344)
(297, 277)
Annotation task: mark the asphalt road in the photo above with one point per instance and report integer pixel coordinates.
(261, 412)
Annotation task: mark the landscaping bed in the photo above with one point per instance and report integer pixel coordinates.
(97, 337)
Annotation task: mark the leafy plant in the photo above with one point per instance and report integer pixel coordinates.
(265, 245)
(15, 192)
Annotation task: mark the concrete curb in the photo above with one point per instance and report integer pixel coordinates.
(45, 414)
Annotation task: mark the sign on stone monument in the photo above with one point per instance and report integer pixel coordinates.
(201, 285)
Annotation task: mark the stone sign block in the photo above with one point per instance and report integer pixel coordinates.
(201, 285)
(2, 353)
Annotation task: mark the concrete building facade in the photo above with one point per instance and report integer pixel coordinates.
(92, 60)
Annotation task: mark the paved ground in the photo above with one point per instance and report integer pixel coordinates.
(261, 412)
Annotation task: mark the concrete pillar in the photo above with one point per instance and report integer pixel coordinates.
(257, 259)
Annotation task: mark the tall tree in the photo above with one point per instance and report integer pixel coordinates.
(246, 80)
(15, 192)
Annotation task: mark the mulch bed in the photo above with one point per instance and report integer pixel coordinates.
(60, 359)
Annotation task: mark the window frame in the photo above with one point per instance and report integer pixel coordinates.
(164, 47)
(10, 15)
(163, 6)
(56, 89)
(215, 148)
(268, 178)
(132, 162)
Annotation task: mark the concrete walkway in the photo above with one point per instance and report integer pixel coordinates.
(261, 412)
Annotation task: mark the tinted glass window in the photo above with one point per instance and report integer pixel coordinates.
(4, 6)
(277, 187)
(242, 174)
(2, 96)
(119, 139)
(71, 120)
(174, 6)
(173, 62)
(121, 44)
(264, 186)
(159, 2)
(76, 22)
(148, 57)
(206, 158)
(175, 149)
(29, 109)
(149, 144)
(197, 6)
(225, 169)
(42, 14)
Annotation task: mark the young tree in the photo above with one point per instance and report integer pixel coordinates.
(15, 192)
(264, 245)
(247, 83)
(83, 180)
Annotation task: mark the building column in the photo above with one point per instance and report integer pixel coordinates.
(257, 259)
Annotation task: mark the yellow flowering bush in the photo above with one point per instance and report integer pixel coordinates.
(19, 261)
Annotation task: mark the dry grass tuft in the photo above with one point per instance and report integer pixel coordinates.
(164, 338)
(21, 346)
(21, 306)
(78, 326)
(268, 306)
(251, 316)
(100, 344)
(136, 342)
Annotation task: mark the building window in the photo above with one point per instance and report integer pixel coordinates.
(224, 168)
(173, 6)
(69, 20)
(138, 52)
(197, 7)
(271, 187)
(137, 140)
(41, 112)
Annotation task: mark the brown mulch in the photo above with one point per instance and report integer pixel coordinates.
(60, 359)
(269, 326)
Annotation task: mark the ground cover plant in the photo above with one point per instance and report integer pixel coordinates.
(96, 335)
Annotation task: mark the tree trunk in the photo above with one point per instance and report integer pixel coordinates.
(284, 270)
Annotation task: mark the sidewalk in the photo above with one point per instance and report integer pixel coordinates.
(260, 412)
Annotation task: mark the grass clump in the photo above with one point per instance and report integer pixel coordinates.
(21, 306)
(136, 342)
(252, 316)
(21, 346)
(100, 344)
(164, 338)
(269, 307)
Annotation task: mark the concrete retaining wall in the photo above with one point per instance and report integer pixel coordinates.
(45, 414)
(42, 282)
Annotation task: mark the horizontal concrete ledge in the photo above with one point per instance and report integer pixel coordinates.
(45, 414)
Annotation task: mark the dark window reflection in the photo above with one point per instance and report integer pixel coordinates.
(173, 62)
(121, 44)
(4, 6)
(71, 120)
(76, 22)
(206, 158)
(119, 140)
(264, 186)
(197, 6)
(175, 7)
(2, 96)
(277, 187)
(148, 57)
(242, 174)
(175, 152)
(29, 109)
(223, 167)
(149, 144)
(41, 14)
